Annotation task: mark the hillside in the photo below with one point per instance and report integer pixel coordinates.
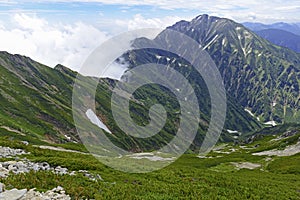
(281, 38)
(262, 77)
(42, 155)
(36, 105)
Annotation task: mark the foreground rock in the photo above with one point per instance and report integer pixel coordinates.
(57, 193)
(6, 152)
(13, 194)
(23, 165)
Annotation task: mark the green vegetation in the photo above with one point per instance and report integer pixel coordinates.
(35, 105)
(257, 74)
(189, 177)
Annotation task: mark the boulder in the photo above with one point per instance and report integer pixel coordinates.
(13, 194)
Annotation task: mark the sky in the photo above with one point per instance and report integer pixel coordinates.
(67, 31)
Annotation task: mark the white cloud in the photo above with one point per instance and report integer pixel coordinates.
(50, 44)
(139, 22)
(70, 44)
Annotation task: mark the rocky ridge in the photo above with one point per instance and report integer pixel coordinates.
(23, 165)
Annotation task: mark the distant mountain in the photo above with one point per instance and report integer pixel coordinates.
(293, 28)
(281, 34)
(281, 38)
(262, 77)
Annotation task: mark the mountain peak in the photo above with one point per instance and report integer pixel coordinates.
(261, 76)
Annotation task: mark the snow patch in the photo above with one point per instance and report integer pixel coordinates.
(95, 120)
(68, 138)
(224, 42)
(249, 111)
(272, 123)
(158, 57)
(231, 131)
(211, 42)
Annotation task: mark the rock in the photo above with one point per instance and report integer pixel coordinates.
(73, 173)
(35, 167)
(57, 189)
(45, 166)
(49, 195)
(13, 194)
(32, 195)
(25, 143)
(61, 170)
(12, 167)
(99, 177)
(3, 172)
(2, 187)
(6, 152)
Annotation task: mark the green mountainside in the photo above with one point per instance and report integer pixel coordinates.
(36, 103)
(40, 147)
(263, 78)
(35, 99)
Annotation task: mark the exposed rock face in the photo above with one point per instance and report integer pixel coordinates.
(57, 193)
(13, 194)
(23, 165)
(6, 152)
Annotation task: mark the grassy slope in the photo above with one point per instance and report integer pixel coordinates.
(187, 178)
(35, 100)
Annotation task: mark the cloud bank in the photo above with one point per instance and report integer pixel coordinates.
(70, 44)
(50, 44)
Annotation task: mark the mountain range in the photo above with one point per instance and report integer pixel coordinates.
(292, 28)
(261, 79)
(281, 38)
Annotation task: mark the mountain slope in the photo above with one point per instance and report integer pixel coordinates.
(260, 76)
(35, 99)
(36, 105)
(293, 28)
(281, 38)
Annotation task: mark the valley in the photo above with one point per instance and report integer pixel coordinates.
(256, 157)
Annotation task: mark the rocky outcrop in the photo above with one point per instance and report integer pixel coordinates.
(6, 152)
(24, 165)
(57, 193)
